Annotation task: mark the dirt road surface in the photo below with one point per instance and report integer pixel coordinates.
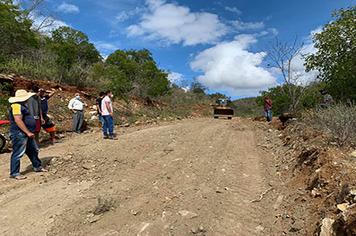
(192, 177)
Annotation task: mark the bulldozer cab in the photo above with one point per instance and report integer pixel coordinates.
(222, 110)
(222, 102)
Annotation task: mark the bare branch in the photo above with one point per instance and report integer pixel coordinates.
(281, 56)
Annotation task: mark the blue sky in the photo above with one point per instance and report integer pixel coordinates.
(221, 43)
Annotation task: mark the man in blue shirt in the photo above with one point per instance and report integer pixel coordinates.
(22, 128)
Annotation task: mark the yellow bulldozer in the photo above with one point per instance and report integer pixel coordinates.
(222, 110)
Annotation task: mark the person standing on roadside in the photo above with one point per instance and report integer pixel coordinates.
(77, 107)
(268, 108)
(22, 128)
(98, 107)
(34, 106)
(48, 125)
(107, 114)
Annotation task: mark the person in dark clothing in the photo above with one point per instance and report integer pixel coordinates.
(34, 107)
(98, 107)
(22, 128)
(48, 125)
(268, 108)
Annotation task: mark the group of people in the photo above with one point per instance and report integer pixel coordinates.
(105, 112)
(104, 109)
(28, 113)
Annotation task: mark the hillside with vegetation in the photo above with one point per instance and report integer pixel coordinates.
(66, 57)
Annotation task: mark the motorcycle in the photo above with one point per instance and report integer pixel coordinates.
(4, 138)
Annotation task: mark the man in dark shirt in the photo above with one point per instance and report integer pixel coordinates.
(48, 125)
(22, 128)
(98, 107)
(34, 107)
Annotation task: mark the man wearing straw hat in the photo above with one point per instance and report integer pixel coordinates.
(22, 128)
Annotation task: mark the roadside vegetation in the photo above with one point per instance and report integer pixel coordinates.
(67, 57)
(335, 60)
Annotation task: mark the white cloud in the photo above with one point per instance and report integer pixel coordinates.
(230, 66)
(100, 45)
(105, 48)
(68, 8)
(176, 24)
(175, 78)
(239, 25)
(126, 15)
(233, 10)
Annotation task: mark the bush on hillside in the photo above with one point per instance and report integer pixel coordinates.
(339, 121)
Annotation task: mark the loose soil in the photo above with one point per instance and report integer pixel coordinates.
(191, 177)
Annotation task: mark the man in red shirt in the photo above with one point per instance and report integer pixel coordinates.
(268, 108)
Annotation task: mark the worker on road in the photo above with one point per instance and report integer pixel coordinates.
(22, 128)
(268, 108)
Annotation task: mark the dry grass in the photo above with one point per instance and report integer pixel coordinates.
(338, 121)
(104, 205)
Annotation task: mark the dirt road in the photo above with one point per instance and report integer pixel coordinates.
(193, 177)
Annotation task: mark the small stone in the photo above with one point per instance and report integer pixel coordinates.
(278, 202)
(188, 214)
(94, 219)
(343, 207)
(87, 166)
(315, 193)
(353, 154)
(68, 157)
(195, 230)
(327, 227)
(135, 212)
(201, 229)
(259, 229)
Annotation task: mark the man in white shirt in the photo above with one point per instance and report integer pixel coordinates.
(107, 114)
(77, 107)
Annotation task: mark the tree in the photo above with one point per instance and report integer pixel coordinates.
(15, 30)
(73, 49)
(281, 56)
(309, 97)
(141, 69)
(111, 77)
(197, 88)
(335, 58)
(216, 96)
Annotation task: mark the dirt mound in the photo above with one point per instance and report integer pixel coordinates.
(324, 181)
